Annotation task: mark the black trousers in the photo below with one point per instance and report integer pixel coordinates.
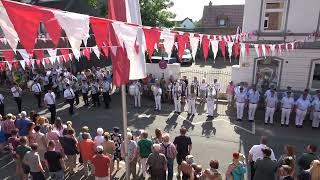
(106, 99)
(2, 110)
(53, 111)
(56, 92)
(252, 170)
(38, 97)
(76, 94)
(85, 98)
(71, 102)
(95, 99)
(18, 100)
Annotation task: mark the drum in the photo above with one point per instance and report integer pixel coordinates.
(132, 90)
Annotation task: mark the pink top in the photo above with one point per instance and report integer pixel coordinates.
(54, 136)
(230, 89)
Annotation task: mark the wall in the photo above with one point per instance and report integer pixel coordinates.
(187, 24)
(172, 69)
(295, 72)
(251, 15)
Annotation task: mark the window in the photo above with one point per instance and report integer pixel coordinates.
(222, 22)
(274, 15)
(315, 78)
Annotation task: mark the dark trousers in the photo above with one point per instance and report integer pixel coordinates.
(106, 99)
(76, 94)
(38, 97)
(85, 98)
(18, 100)
(95, 99)
(158, 175)
(53, 111)
(252, 170)
(71, 102)
(56, 92)
(2, 110)
(37, 176)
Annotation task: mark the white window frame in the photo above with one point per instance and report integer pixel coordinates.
(283, 10)
(224, 23)
(266, 19)
(312, 73)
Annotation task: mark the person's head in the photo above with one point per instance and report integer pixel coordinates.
(195, 78)
(50, 90)
(203, 80)
(289, 93)
(183, 131)
(99, 149)
(231, 83)
(215, 80)
(34, 146)
(9, 116)
(85, 129)
(289, 150)
(156, 148)
(315, 169)
(263, 140)
(50, 128)
(236, 156)
(289, 88)
(158, 133)
(23, 114)
(37, 128)
(254, 88)
(41, 120)
(288, 161)
(241, 89)
(51, 144)
(129, 135)
(106, 136)
(23, 140)
(266, 152)
(30, 126)
(58, 122)
(70, 132)
(85, 136)
(69, 123)
(144, 135)
(285, 170)
(304, 96)
(14, 132)
(318, 93)
(214, 164)
(312, 148)
(189, 159)
(68, 86)
(100, 131)
(116, 130)
(166, 137)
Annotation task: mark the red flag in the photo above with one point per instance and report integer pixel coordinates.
(268, 49)
(152, 37)
(182, 39)
(47, 61)
(117, 10)
(64, 51)
(105, 51)
(8, 55)
(236, 49)
(260, 50)
(38, 61)
(2, 66)
(205, 46)
(247, 46)
(100, 28)
(222, 45)
(39, 53)
(86, 53)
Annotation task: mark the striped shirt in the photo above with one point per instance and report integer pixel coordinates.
(169, 150)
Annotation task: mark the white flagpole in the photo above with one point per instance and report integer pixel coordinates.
(125, 126)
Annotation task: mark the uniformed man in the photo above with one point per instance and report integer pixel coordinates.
(253, 100)
(137, 94)
(85, 90)
(210, 101)
(289, 89)
(316, 110)
(69, 96)
(50, 102)
(157, 92)
(216, 86)
(192, 101)
(203, 90)
(271, 105)
(36, 89)
(184, 88)
(55, 85)
(95, 92)
(195, 84)
(287, 104)
(302, 106)
(240, 102)
(1, 105)
(106, 93)
(76, 87)
(17, 93)
(177, 97)
(268, 92)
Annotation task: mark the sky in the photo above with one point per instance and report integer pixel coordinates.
(194, 8)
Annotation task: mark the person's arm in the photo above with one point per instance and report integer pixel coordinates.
(192, 174)
(190, 148)
(40, 168)
(63, 165)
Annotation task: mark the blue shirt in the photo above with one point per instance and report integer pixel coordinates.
(254, 97)
(22, 125)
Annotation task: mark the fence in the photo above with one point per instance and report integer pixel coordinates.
(223, 76)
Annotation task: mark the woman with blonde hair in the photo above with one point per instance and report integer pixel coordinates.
(109, 148)
(315, 170)
(53, 135)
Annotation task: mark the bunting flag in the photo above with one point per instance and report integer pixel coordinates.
(194, 43)
(24, 54)
(8, 28)
(8, 55)
(125, 11)
(9, 66)
(65, 54)
(39, 53)
(168, 41)
(236, 50)
(97, 52)
(222, 45)
(52, 52)
(230, 47)
(2, 64)
(182, 40)
(243, 50)
(76, 53)
(100, 28)
(256, 47)
(86, 53)
(205, 46)
(152, 37)
(215, 48)
(247, 47)
(106, 51)
(273, 49)
(263, 48)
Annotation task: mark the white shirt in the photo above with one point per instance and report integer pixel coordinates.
(315, 104)
(157, 91)
(268, 93)
(287, 103)
(254, 97)
(50, 98)
(203, 86)
(216, 86)
(36, 88)
(95, 88)
(16, 92)
(68, 94)
(98, 140)
(240, 97)
(1, 99)
(106, 86)
(272, 101)
(303, 105)
(256, 152)
(84, 87)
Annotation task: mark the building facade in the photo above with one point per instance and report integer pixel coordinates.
(280, 21)
(185, 25)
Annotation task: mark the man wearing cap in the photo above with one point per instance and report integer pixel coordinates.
(265, 168)
(287, 103)
(240, 102)
(107, 86)
(271, 105)
(69, 96)
(253, 99)
(289, 89)
(302, 106)
(101, 164)
(85, 90)
(316, 110)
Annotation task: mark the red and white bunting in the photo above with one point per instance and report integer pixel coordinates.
(168, 41)
(230, 47)
(96, 51)
(152, 37)
(215, 48)
(8, 29)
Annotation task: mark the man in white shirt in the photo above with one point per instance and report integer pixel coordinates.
(85, 90)
(1, 105)
(69, 96)
(16, 93)
(210, 101)
(302, 106)
(256, 153)
(253, 100)
(95, 92)
(137, 94)
(216, 86)
(176, 93)
(203, 91)
(37, 90)
(271, 105)
(316, 111)
(287, 104)
(240, 102)
(157, 92)
(106, 93)
(50, 103)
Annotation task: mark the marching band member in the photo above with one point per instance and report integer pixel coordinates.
(76, 87)
(177, 92)
(36, 89)
(240, 102)
(302, 106)
(169, 91)
(192, 101)
(157, 92)
(69, 96)
(316, 110)
(195, 84)
(17, 93)
(106, 92)
(253, 100)
(271, 105)
(95, 93)
(184, 88)
(216, 86)
(85, 90)
(50, 102)
(287, 104)
(210, 101)
(203, 90)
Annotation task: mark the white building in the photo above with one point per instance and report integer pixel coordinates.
(186, 24)
(278, 21)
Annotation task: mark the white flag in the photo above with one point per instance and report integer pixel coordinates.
(230, 46)
(23, 64)
(256, 47)
(96, 51)
(168, 42)
(194, 43)
(8, 28)
(215, 48)
(273, 49)
(263, 49)
(52, 52)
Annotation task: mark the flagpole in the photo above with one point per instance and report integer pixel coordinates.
(125, 126)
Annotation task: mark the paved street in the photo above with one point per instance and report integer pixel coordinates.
(215, 139)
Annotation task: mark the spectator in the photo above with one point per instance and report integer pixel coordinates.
(116, 137)
(289, 152)
(184, 145)
(59, 126)
(132, 154)
(8, 125)
(101, 164)
(315, 170)
(22, 124)
(14, 142)
(109, 148)
(213, 172)
(43, 123)
(21, 150)
(236, 169)
(158, 138)
(99, 139)
(157, 163)
(306, 158)
(144, 146)
(69, 145)
(86, 147)
(187, 169)
(54, 161)
(84, 129)
(170, 152)
(285, 172)
(265, 168)
(41, 141)
(2, 138)
(32, 160)
(53, 135)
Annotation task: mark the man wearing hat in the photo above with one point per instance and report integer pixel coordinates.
(302, 106)
(316, 110)
(287, 103)
(69, 96)
(271, 105)
(265, 168)
(289, 89)
(157, 92)
(85, 90)
(253, 100)
(101, 164)
(240, 102)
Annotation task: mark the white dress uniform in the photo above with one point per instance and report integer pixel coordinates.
(253, 98)
(211, 101)
(36, 89)
(287, 104)
(240, 101)
(69, 95)
(137, 94)
(177, 97)
(50, 100)
(271, 102)
(157, 92)
(16, 93)
(268, 93)
(217, 87)
(302, 107)
(316, 113)
(191, 104)
(203, 91)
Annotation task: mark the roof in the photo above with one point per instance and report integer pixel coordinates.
(180, 22)
(233, 14)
